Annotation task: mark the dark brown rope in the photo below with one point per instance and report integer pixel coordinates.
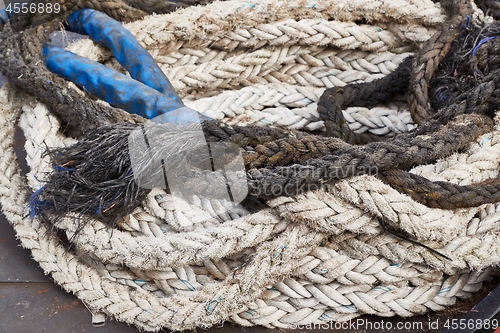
(430, 56)
(443, 194)
(490, 7)
(336, 99)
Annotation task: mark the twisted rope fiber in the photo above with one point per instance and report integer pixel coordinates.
(270, 105)
(335, 100)
(264, 65)
(346, 267)
(442, 194)
(123, 10)
(110, 291)
(404, 151)
(138, 196)
(429, 59)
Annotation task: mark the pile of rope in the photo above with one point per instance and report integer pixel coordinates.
(326, 250)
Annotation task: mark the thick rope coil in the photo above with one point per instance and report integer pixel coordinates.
(293, 107)
(323, 252)
(200, 66)
(165, 283)
(313, 152)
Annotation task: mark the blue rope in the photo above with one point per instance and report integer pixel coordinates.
(61, 168)
(148, 93)
(4, 16)
(130, 54)
(115, 88)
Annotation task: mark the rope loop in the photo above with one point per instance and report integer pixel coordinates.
(370, 142)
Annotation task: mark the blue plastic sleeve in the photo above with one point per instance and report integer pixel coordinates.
(130, 54)
(115, 88)
(4, 16)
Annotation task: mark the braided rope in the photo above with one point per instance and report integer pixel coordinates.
(199, 271)
(197, 66)
(380, 270)
(293, 107)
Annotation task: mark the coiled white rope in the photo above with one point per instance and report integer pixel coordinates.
(310, 258)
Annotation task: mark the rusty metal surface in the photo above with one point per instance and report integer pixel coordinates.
(487, 309)
(44, 307)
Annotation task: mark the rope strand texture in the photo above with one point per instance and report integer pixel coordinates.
(165, 282)
(321, 162)
(322, 251)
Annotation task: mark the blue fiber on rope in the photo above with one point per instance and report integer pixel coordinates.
(128, 52)
(443, 96)
(99, 209)
(467, 22)
(115, 88)
(35, 204)
(61, 168)
(481, 42)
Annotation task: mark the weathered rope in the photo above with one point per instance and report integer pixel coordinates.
(338, 265)
(235, 65)
(22, 53)
(442, 194)
(429, 58)
(335, 100)
(320, 165)
(323, 251)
